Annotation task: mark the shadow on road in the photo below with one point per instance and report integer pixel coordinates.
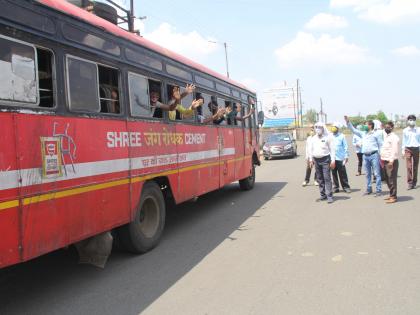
(56, 284)
(404, 198)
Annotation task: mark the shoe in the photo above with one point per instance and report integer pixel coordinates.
(347, 190)
(336, 191)
(391, 200)
(387, 198)
(305, 183)
(378, 194)
(410, 187)
(358, 174)
(316, 183)
(322, 198)
(330, 200)
(367, 192)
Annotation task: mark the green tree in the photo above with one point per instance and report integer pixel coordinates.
(311, 116)
(357, 120)
(371, 117)
(381, 117)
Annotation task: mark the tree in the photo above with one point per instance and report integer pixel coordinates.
(311, 116)
(357, 120)
(381, 117)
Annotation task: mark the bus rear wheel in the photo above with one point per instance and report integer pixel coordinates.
(248, 183)
(144, 232)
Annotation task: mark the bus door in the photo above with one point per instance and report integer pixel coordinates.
(248, 140)
(240, 171)
(227, 151)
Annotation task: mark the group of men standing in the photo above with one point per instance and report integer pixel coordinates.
(377, 148)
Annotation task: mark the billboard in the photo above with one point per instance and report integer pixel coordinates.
(279, 107)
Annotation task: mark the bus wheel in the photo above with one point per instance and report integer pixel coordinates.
(144, 232)
(248, 183)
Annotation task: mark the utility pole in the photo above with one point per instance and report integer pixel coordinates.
(226, 56)
(131, 17)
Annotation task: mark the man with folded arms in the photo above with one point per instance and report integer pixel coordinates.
(389, 158)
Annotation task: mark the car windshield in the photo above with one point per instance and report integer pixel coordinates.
(279, 137)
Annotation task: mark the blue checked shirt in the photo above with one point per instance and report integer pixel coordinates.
(371, 141)
(341, 148)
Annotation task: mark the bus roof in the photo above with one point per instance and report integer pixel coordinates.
(68, 8)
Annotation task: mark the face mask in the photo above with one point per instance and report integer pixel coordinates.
(388, 130)
(365, 128)
(411, 123)
(319, 131)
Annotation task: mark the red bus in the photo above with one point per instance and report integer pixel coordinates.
(81, 152)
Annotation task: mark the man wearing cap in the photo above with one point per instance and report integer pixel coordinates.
(341, 159)
(371, 145)
(322, 155)
(410, 150)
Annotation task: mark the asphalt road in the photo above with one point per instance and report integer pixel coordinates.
(272, 250)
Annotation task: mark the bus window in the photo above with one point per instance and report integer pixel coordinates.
(204, 111)
(45, 77)
(238, 108)
(83, 85)
(221, 104)
(17, 72)
(186, 103)
(139, 95)
(108, 90)
(245, 109)
(230, 120)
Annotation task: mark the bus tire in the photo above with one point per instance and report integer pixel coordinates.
(248, 183)
(144, 232)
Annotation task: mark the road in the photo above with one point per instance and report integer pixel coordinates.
(272, 250)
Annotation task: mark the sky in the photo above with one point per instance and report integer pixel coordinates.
(359, 56)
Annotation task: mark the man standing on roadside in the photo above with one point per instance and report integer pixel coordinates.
(371, 144)
(389, 158)
(410, 150)
(341, 158)
(322, 155)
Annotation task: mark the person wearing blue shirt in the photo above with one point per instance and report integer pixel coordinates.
(357, 143)
(341, 158)
(410, 150)
(371, 145)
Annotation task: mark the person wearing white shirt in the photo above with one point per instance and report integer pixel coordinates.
(410, 150)
(308, 172)
(322, 156)
(389, 158)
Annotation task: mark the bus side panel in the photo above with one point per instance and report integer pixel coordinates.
(240, 170)
(155, 156)
(9, 210)
(208, 177)
(197, 155)
(227, 156)
(87, 195)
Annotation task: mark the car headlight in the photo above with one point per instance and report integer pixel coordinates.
(288, 146)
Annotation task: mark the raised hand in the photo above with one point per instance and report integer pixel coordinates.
(190, 88)
(197, 103)
(176, 94)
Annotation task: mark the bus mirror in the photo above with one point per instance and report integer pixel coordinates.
(261, 118)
